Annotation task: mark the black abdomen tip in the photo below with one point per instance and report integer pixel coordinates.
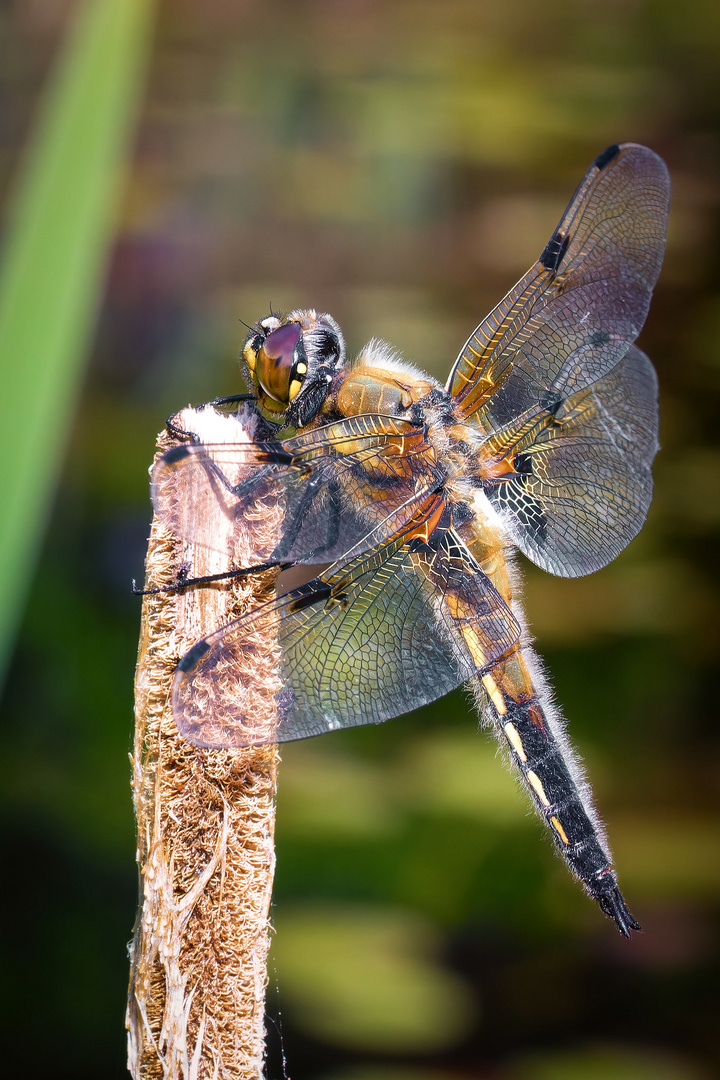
(612, 903)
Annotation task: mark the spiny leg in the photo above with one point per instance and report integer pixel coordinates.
(184, 581)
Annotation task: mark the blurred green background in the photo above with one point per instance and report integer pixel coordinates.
(399, 164)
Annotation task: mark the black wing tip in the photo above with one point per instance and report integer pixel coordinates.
(609, 154)
(611, 901)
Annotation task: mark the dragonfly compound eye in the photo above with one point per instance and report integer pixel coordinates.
(280, 366)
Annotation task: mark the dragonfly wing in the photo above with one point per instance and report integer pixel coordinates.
(574, 314)
(372, 638)
(582, 483)
(219, 496)
(331, 486)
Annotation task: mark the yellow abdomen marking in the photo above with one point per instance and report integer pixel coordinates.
(559, 830)
(513, 737)
(497, 700)
(536, 784)
(473, 643)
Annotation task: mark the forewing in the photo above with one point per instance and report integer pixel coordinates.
(582, 483)
(332, 484)
(574, 314)
(220, 495)
(373, 637)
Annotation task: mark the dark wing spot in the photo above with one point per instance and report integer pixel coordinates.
(175, 454)
(523, 464)
(418, 546)
(607, 156)
(550, 400)
(316, 591)
(598, 338)
(274, 457)
(554, 252)
(193, 656)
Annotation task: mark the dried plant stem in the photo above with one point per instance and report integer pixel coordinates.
(205, 821)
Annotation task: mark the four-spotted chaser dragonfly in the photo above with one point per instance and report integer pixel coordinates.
(415, 493)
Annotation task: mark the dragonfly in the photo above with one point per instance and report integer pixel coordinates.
(415, 497)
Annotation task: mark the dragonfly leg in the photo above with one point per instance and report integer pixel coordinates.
(516, 701)
(296, 517)
(185, 582)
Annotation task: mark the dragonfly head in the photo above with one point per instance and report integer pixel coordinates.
(292, 361)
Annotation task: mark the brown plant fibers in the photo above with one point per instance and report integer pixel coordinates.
(205, 822)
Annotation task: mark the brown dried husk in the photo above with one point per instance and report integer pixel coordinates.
(205, 823)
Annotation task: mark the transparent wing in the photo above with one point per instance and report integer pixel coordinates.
(373, 637)
(576, 311)
(332, 485)
(581, 483)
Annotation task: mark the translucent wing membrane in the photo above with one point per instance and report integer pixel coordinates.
(581, 483)
(576, 311)
(552, 413)
(376, 635)
(334, 484)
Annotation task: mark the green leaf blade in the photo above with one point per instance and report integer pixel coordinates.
(59, 229)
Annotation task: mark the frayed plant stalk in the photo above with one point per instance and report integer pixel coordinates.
(205, 825)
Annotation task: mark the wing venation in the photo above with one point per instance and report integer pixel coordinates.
(581, 484)
(330, 486)
(375, 636)
(578, 309)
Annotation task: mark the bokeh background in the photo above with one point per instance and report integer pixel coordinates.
(399, 164)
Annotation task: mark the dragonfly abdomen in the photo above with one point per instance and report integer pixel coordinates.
(524, 718)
